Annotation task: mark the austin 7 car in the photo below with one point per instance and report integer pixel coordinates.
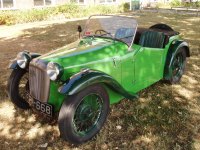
(113, 60)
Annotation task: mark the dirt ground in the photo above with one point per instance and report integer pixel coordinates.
(163, 117)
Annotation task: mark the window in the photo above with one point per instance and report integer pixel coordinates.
(78, 1)
(155, 0)
(42, 2)
(107, 1)
(81, 1)
(6, 4)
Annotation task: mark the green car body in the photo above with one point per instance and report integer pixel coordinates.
(133, 71)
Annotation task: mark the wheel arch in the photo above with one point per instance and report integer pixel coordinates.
(173, 49)
(81, 80)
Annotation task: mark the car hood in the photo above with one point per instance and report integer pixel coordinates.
(77, 49)
(93, 53)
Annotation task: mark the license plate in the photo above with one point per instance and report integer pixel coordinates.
(44, 108)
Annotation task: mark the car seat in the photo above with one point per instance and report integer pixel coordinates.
(152, 39)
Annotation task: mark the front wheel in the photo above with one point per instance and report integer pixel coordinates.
(17, 86)
(178, 66)
(82, 115)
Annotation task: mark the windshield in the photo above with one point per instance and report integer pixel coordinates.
(116, 27)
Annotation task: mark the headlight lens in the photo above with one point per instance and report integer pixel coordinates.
(54, 70)
(23, 59)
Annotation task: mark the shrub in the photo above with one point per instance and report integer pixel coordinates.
(160, 5)
(68, 10)
(125, 6)
(185, 4)
(7, 17)
(197, 3)
(175, 3)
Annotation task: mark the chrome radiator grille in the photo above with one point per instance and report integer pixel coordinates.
(36, 83)
(39, 81)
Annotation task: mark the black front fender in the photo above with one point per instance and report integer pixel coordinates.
(81, 80)
(13, 65)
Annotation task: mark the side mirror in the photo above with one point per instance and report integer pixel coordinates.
(79, 30)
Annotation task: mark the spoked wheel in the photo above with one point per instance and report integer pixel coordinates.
(87, 114)
(178, 66)
(17, 87)
(83, 114)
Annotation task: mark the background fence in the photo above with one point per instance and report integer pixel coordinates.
(173, 9)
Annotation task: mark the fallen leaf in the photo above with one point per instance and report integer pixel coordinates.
(118, 127)
(180, 113)
(44, 145)
(6, 142)
(36, 114)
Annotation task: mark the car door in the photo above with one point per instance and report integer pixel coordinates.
(147, 63)
(127, 64)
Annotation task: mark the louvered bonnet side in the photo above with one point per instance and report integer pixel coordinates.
(39, 82)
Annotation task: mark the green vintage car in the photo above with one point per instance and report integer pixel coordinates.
(113, 60)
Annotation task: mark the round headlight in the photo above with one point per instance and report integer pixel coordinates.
(54, 70)
(23, 59)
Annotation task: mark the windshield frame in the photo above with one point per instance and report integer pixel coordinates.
(126, 42)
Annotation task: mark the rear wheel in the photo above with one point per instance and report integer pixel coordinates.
(178, 66)
(82, 115)
(17, 86)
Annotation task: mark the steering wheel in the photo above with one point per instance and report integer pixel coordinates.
(103, 31)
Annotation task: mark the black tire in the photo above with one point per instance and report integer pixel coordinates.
(178, 70)
(76, 103)
(16, 90)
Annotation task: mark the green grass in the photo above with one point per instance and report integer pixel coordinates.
(67, 11)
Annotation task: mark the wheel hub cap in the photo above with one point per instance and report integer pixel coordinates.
(85, 113)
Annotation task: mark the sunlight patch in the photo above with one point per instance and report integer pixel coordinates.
(32, 133)
(184, 92)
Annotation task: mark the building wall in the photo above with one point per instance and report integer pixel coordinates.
(24, 4)
(60, 2)
(90, 2)
(144, 3)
